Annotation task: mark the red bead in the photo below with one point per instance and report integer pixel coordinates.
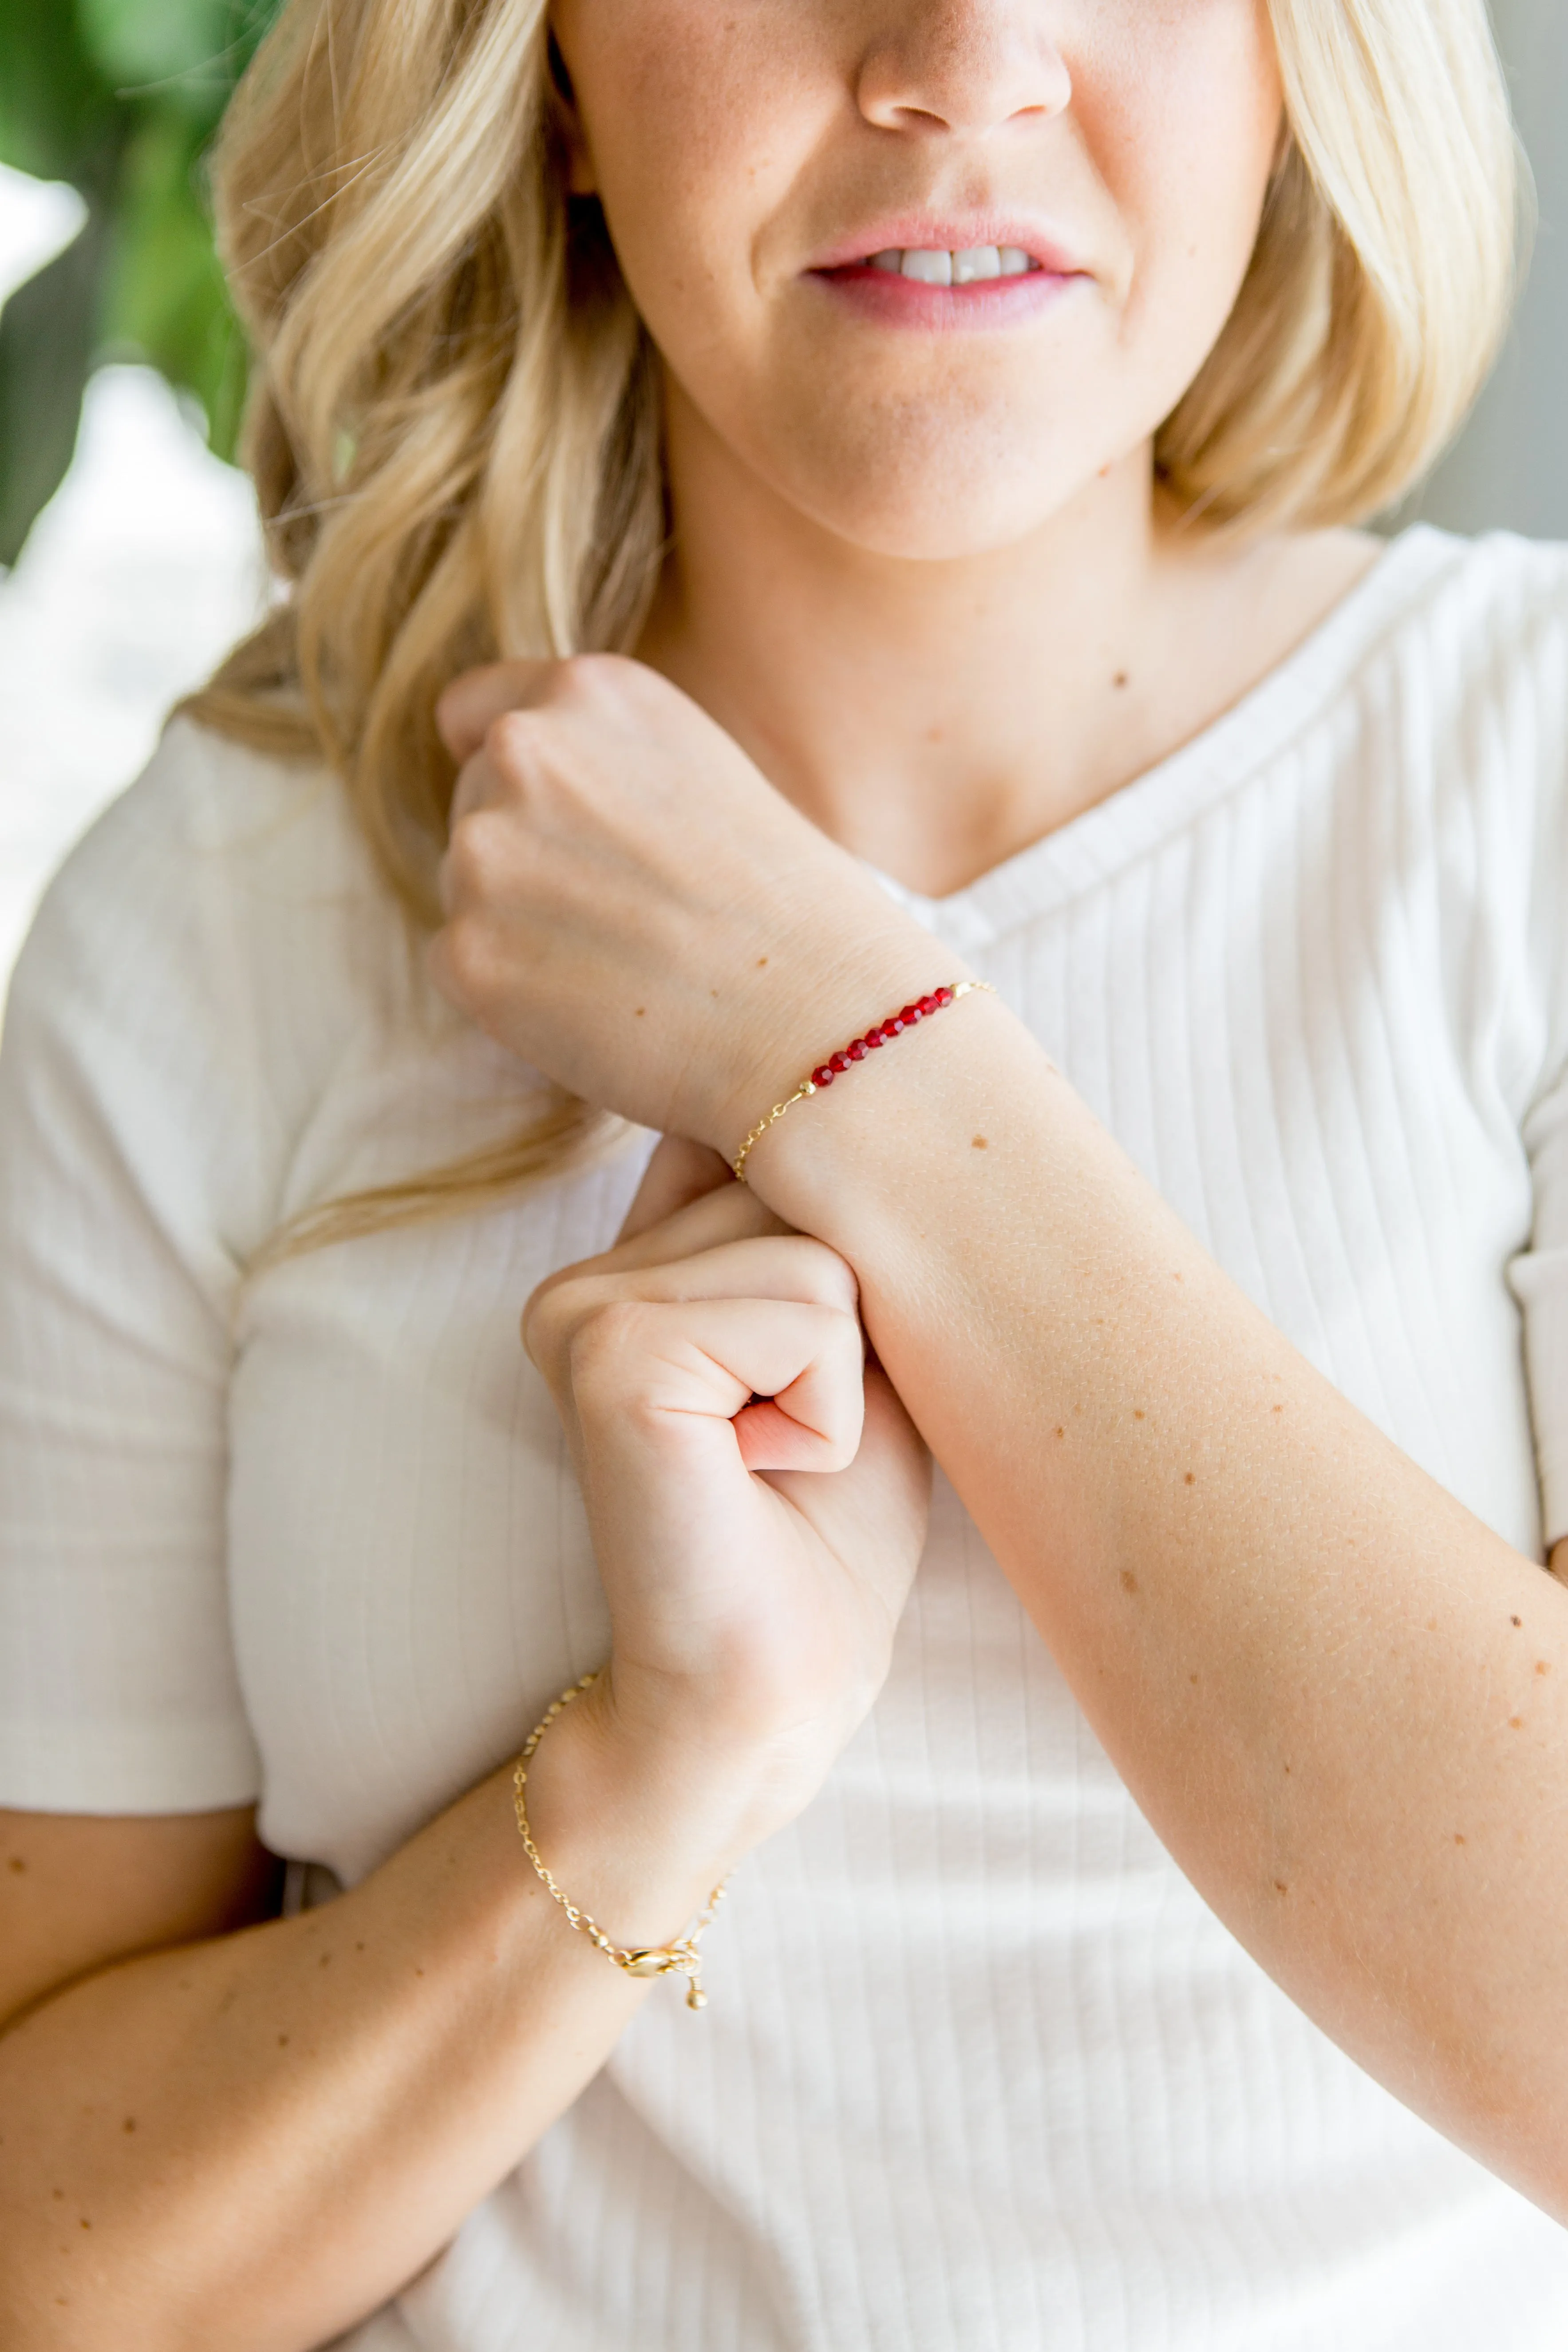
(873, 1037)
(910, 1013)
(945, 996)
(857, 1049)
(892, 1028)
(822, 1077)
(928, 1006)
(838, 1064)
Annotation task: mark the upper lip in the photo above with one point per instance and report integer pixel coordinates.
(926, 232)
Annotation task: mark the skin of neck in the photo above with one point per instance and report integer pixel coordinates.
(936, 715)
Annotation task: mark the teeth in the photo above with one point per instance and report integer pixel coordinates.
(936, 268)
(979, 261)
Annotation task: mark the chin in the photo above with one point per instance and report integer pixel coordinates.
(941, 498)
(938, 536)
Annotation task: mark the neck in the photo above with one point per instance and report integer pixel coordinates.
(935, 715)
(930, 715)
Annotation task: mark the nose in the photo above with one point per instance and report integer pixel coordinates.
(961, 65)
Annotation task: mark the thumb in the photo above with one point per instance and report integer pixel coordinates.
(679, 1173)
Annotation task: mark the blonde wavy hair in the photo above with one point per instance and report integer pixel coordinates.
(454, 425)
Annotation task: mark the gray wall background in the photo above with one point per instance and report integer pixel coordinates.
(1510, 468)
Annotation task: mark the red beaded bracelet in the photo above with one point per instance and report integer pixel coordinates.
(882, 1034)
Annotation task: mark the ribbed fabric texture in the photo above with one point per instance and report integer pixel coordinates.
(979, 2069)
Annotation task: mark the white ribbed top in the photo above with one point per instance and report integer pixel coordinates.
(979, 2070)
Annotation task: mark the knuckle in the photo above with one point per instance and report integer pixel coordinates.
(509, 743)
(590, 672)
(830, 1277)
(556, 1310)
(607, 1336)
(464, 701)
(469, 854)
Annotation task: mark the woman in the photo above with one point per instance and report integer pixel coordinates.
(1146, 1922)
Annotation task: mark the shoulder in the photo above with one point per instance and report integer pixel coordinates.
(1470, 710)
(1443, 687)
(206, 960)
(209, 831)
(229, 889)
(1483, 664)
(1489, 615)
(221, 995)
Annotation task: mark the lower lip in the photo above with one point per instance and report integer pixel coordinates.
(894, 300)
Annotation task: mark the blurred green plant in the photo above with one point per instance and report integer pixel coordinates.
(120, 98)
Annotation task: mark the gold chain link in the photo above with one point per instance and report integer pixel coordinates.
(679, 1958)
(956, 988)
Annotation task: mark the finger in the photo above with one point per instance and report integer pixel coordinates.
(474, 787)
(782, 1266)
(679, 1173)
(730, 1213)
(676, 1369)
(878, 1516)
(457, 874)
(470, 706)
(709, 1221)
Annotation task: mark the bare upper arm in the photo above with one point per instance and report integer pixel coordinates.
(1560, 1561)
(79, 1890)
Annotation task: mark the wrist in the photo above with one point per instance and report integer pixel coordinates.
(808, 996)
(926, 1119)
(640, 1812)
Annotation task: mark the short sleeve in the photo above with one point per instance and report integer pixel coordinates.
(137, 1157)
(1540, 1284)
(1539, 1276)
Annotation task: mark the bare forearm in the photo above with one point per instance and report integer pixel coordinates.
(1342, 1701)
(250, 2143)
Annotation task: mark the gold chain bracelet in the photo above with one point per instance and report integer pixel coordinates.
(881, 1034)
(679, 1958)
